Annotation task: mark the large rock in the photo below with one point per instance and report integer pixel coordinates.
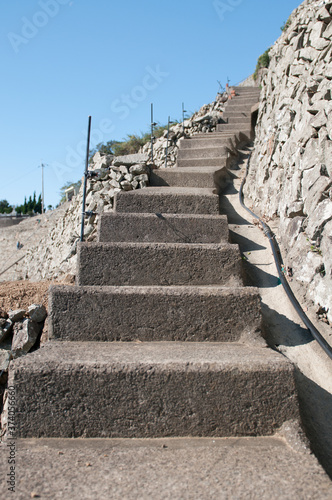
(25, 336)
(5, 357)
(16, 315)
(37, 312)
(129, 160)
(6, 327)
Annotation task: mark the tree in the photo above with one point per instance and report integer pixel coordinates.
(38, 205)
(31, 206)
(105, 149)
(5, 208)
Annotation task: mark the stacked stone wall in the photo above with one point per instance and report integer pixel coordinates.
(291, 169)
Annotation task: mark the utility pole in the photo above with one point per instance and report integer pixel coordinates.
(42, 166)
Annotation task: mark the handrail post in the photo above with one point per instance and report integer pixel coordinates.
(85, 178)
(153, 124)
(183, 112)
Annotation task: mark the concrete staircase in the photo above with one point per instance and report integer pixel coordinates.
(160, 339)
(237, 115)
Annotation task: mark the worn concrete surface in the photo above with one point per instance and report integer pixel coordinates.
(204, 152)
(174, 469)
(168, 228)
(166, 200)
(207, 140)
(146, 264)
(219, 161)
(155, 389)
(210, 177)
(155, 313)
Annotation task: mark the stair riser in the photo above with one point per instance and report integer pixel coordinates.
(206, 143)
(237, 119)
(238, 108)
(153, 314)
(245, 98)
(167, 203)
(162, 228)
(236, 114)
(184, 154)
(190, 179)
(222, 161)
(237, 127)
(106, 264)
(141, 400)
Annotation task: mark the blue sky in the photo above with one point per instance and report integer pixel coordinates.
(64, 60)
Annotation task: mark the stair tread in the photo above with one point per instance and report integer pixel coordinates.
(169, 468)
(165, 190)
(197, 356)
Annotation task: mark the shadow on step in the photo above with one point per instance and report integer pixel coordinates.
(244, 243)
(316, 415)
(282, 331)
(225, 207)
(254, 276)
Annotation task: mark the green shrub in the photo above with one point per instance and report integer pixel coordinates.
(286, 24)
(130, 145)
(262, 62)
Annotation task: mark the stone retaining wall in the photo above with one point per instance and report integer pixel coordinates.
(291, 169)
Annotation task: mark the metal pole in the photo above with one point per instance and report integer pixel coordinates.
(85, 177)
(166, 150)
(42, 169)
(151, 133)
(153, 124)
(183, 112)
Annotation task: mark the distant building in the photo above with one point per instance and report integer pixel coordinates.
(71, 192)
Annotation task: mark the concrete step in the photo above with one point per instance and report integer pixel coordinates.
(249, 93)
(240, 107)
(146, 314)
(161, 264)
(210, 177)
(241, 118)
(244, 99)
(221, 161)
(168, 200)
(236, 114)
(237, 137)
(207, 142)
(244, 90)
(123, 389)
(170, 228)
(203, 152)
(178, 468)
(212, 135)
(236, 127)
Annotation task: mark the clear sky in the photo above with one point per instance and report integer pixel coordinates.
(63, 60)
